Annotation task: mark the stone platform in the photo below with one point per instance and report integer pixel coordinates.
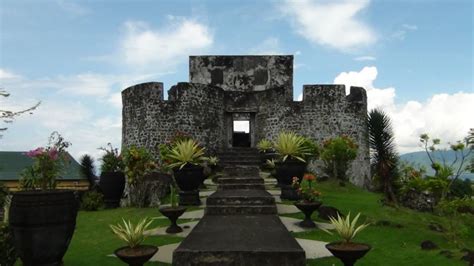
(240, 227)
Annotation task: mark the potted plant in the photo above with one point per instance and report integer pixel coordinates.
(134, 254)
(138, 163)
(291, 151)
(42, 218)
(173, 212)
(346, 250)
(184, 158)
(265, 148)
(112, 178)
(309, 198)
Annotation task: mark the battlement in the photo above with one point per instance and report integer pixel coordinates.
(332, 93)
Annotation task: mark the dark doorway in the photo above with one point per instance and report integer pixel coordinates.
(241, 133)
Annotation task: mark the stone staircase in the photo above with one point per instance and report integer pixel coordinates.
(240, 226)
(239, 156)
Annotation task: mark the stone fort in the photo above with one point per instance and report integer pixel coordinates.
(254, 89)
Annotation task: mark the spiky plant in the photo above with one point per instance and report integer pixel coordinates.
(346, 228)
(132, 234)
(88, 169)
(264, 145)
(384, 157)
(185, 152)
(290, 144)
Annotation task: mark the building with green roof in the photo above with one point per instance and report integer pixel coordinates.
(12, 163)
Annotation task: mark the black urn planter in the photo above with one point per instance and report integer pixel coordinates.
(173, 213)
(350, 253)
(188, 179)
(42, 223)
(284, 172)
(112, 185)
(307, 208)
(136, 256)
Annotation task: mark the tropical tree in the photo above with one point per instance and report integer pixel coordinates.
(384, 157)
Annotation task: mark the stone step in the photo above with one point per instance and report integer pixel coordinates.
(229, 186)
(240, 180)
(241, 171)
(240, 209)
(242, 197)
(239, 240)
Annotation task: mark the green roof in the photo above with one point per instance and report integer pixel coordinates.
(12, 164)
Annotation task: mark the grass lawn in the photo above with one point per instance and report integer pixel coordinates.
(93, 240)
(390, 245)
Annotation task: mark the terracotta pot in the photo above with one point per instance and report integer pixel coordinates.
(307, 208)
(112, 185)
(42, 223)
(348, 253)
(173, 213)
(136, 256)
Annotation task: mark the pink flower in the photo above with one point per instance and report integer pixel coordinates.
(53, 154)
(35, 153)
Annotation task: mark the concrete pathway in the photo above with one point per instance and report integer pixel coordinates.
(313, 248)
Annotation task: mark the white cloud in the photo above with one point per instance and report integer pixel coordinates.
(6, 74)
(401, 33)
(376, 97)
(330, 23)
(166, 46)
(365, 58)
(445, 116)
(269, 46)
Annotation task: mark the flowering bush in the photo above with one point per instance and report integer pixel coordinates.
(306, 189)
(138, 162)
(337, 153)
(48, 162)
(111, 160)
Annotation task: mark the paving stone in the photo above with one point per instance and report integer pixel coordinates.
(277, 199)
(314, 249)
(206, 193)
(187, 227)
(286, 209)
(197, 214)
(292, 225)
(274, 192)
(165, 253)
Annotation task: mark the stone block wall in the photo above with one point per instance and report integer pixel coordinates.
(224, 85)
(195, 109)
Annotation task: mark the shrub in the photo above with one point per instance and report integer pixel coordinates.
(336, 154)
(8, 254)
(92, 201)
(460, 188)
(138, 162)
(455, 227)
(111, 160)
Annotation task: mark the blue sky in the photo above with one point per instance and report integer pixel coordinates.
(415, 58)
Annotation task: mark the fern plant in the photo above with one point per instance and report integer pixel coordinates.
(346, 228)
(132, 234)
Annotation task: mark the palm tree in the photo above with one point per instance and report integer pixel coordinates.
(384, 157)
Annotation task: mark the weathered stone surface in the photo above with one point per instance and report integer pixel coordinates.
(257, 87)
(428, 245)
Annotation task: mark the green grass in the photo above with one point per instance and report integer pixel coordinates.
(390, 245)
(93, 239)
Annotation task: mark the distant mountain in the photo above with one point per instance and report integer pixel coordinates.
(420, 158)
